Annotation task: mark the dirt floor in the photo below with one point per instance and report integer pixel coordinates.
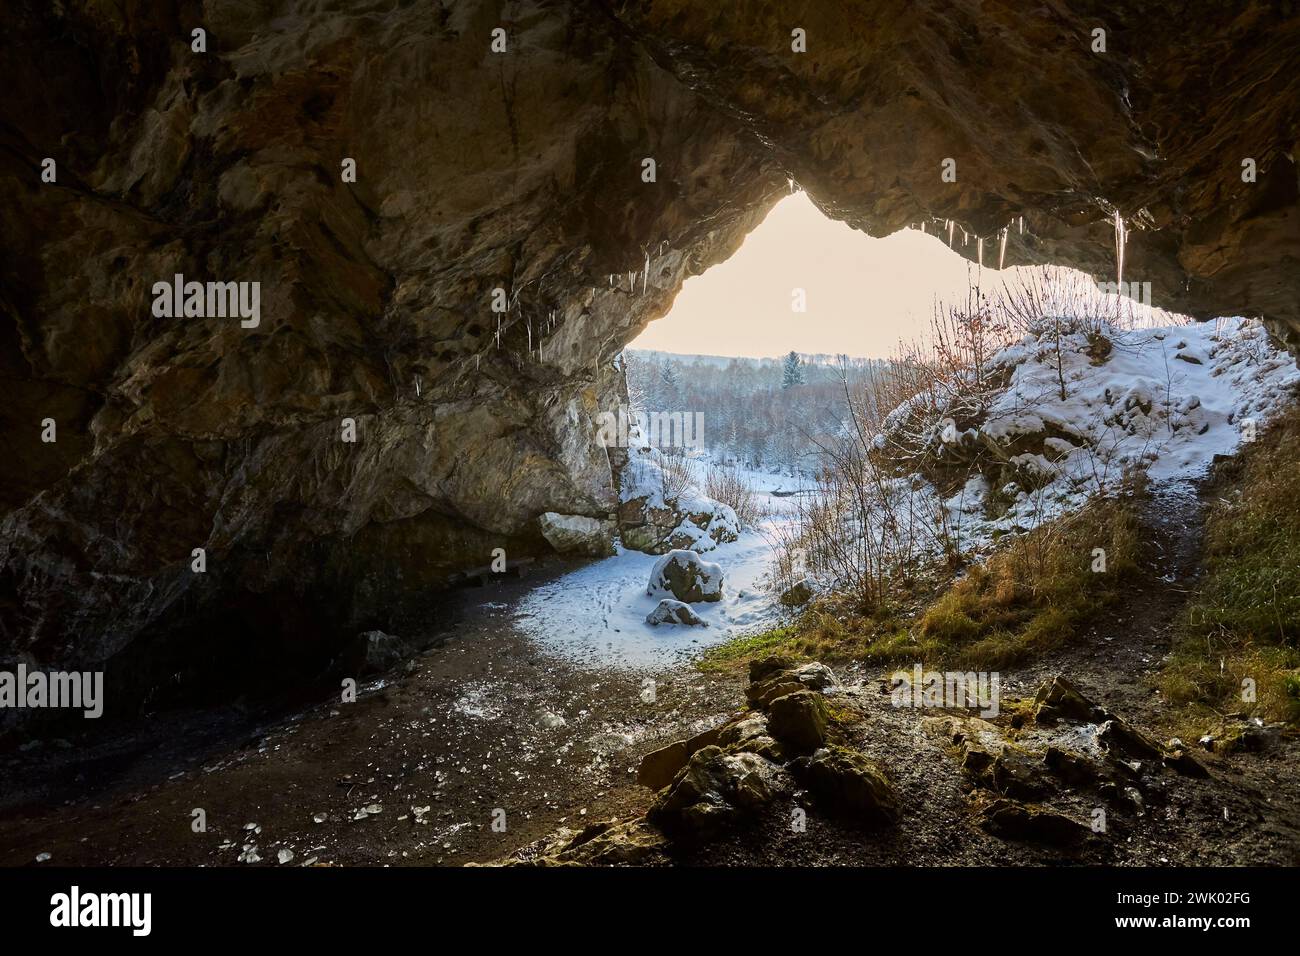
(484, 729)
(481, 722)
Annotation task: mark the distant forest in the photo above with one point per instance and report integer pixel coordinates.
(765, 414)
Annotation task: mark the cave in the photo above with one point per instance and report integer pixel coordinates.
(388, 177)
(419, 235)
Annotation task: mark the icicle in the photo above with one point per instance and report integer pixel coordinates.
(645, 277)
(950, 227)
(1121, 243)
(1002, 247)
(979, 250)
(417, 386)
(530, 336)
(1022, 225)
(923, 227)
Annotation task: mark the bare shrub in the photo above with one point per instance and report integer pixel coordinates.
(675, 474)
(730, 487)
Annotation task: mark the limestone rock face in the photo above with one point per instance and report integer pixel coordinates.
(512, 178)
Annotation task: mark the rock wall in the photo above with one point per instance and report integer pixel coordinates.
(520, 171)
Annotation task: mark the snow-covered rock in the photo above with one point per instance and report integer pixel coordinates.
(669, 611)
(687, 577)
(578, 534)
(1066, 424)
(659, 511)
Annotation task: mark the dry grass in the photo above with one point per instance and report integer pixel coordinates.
(1029, 597)
(729, 486)
(1244, 623)
(1036, 593)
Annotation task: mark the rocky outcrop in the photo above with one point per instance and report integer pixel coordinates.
(849, 785)
(659, 510)
(515, 179)
(1027, 776)
(728, 774)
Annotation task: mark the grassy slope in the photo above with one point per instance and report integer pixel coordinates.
(1244, 622)
(1027, 597)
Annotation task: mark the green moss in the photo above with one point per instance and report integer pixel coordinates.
(738, 652)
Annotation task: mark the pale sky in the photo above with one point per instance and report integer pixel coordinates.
(863, 294)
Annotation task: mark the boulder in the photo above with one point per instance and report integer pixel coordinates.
(798, 594)
(713, 790)
(779, 676)
(816, 676)
(764, 667)
(687, 577)
(1017, 775)
(658, 767)
(1059, 698)
(799, 720)
(1119, 739)
(762, 694)
(669, 611)
(849, 785)
(713, 523)
(1071, 769)
(1010, 820)
(578, 534)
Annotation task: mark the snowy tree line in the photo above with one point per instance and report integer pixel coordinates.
(769, 414)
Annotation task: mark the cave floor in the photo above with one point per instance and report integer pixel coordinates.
(486, 727)
(483, 721)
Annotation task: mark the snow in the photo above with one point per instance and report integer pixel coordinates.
(1166, 400)
(1142, 408)
(597, 614)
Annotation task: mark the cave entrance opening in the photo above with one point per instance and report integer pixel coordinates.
(761, 346)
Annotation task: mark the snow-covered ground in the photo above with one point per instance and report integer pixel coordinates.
(1165, 400)
(596, 614)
